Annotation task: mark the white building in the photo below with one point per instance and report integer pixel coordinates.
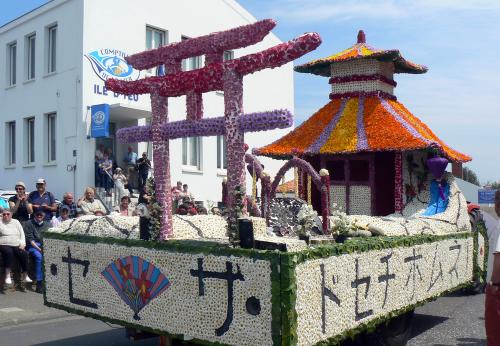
(49, 83)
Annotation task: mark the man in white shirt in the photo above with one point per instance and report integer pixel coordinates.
(492, 302)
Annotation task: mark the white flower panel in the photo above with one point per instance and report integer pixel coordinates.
(366, 86)
(337, 197)
(360, 200)
(180, 308)
(338, 293)
(362, 67)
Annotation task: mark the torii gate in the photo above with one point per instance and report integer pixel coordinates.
(216, 75)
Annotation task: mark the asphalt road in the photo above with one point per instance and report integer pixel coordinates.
(453, 320)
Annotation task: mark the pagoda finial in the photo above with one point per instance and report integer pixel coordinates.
(361, 37)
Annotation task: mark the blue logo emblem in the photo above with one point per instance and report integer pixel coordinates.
(99, 118)
(110, 63)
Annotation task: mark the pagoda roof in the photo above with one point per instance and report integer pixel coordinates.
(361, 50)
(359, 124)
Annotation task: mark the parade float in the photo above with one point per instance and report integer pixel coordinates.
(393, 230)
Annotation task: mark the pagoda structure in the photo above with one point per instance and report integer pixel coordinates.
(363, 135)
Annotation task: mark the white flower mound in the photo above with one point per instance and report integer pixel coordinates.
(411, 221)
(113, 226)
(199, 227)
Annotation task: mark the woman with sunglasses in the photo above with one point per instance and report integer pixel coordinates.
(19, 205)
(12, 244)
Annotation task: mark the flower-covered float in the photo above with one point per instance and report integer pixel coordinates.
(232, 280)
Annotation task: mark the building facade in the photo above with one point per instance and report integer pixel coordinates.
(57, 58)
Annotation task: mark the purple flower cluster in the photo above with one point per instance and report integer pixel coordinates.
(277, 119)
(135, 134)
(193, 128)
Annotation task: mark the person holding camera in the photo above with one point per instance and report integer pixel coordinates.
(19, 205)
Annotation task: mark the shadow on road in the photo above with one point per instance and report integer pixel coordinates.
(422, 323)
(115, 337)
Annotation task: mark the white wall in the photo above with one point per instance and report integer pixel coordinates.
(88, 25)
(266, 90)
(58, 92)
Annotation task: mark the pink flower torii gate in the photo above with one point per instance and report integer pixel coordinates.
(216, 75)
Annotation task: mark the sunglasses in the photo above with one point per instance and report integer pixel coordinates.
(19, 188)
(5, 214)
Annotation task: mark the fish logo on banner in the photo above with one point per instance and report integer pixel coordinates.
(111, 63)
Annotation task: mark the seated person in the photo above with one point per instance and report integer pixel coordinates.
(12, 244)
(125, 208)
(33, 230)
(90, 205)
(63, 216)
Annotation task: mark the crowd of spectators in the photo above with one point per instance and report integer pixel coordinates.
(28, 215)
(132, 175)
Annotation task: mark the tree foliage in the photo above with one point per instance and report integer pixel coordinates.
(470, 176)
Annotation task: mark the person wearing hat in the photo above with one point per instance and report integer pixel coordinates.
(12, 244)
(19, 205)
(33, 230)
(43, 200)
(63, 216)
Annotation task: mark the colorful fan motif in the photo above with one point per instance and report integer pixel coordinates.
(136, 281)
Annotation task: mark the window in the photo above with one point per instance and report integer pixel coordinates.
(51, 48)
(155, 38)
(30, 140)
(51, 137)
(10, 143)
(221, 152)
(191, 152)
(228, 55)
(11, 60)
(192, 63)
(30, 57)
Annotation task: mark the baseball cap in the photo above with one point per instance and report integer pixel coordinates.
(39, 211)
(20, 183)
(40, 181)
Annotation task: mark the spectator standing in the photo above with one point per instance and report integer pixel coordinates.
(120, 182)
(143, 166)
(42, 200)
(69, 202)
(186, 195)
(63, 216)
(89, 204)
(13, 244)
(492, 301)
(176, 196)
(144, 219)
(19, 205)
(107, 173)
(99, 153)
(33, 230)
(130, 160)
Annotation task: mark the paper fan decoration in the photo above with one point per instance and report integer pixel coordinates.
(136, 281)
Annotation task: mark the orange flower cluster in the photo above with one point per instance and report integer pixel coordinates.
(387, 125)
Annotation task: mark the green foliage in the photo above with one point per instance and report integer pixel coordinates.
(235, 213)
(495, 185)
(155, 211)
(470, 176)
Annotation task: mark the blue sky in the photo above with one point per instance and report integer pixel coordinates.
(457, 39)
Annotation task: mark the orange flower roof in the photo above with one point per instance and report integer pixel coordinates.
(361, 50)
(359, 124)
